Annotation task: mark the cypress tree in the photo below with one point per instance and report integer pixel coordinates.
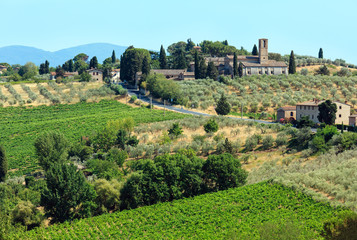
(113, 57)
(292, 65)
(145, 66)
(202, 68)
(240, 69)
(255, 50)
(181, 61)
(212, 71)
(70, 66)
(235, 65)
(162, 58)
(3, 164)
(47, 67)
(93, 62)
(223, 107)
(197, 67)
(321, 53)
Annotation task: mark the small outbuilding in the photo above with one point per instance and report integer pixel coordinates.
(287, 112)
(352, 120)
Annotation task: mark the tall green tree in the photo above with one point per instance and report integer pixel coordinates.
(131, 63)
(323, 70)
(114, 59)
(255, 50)
(68, 195)
(240, 69)
(93, 62)
(321, 53)
(162, 58)
(145, 66)
(189, 45)
(3, 164)
(51, 147)
(223, 106)
(202, 68)
(327, 112)
(197, 65)
(292, 65)
(235, 64)
(180, 61)
(212, 71)
(47, 67)
(70, 65)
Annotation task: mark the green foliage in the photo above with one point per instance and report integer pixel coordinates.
(344, 141)
(131, 63)
(321, 53)
(318, 144)
(28, 71)
(255, 50)
(228, 146)
(85, 77)
(223, 107)
(222, 172)
(212, 71)
(301, 138)
(251, 142)
(118, 156)
(292, 65)
(304, 122)
(51, 148)
(3, 164)
(104, 169)
(211, 126)
(93, 62)
(343, 226)
(327, 112)
(167, 89)
(108, 194)
(80, 57)
(175, 130)
(68, 195)
(323, 70)
(80, 151)
(240, 69)
(145, 66)
(235, 65)
(26, 214)
(327, 132)
(114, 59)
(209, 216)
(162, 59)
(268, 142)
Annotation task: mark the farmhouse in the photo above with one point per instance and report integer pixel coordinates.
(252, 65)
(311, 109)
(286, 113)
(96, 74)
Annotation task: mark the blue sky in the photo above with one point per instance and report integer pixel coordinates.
(303, 26)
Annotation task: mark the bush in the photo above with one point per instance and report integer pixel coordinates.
(104, 169)
(133, 99)
(175, 130)
(343, 226)
(108, 194)
(222, 172)
(250, 143)
(211, 126)
(281, 140)
(118, 156)
(268, 142)
(223, 107)
(26, 214)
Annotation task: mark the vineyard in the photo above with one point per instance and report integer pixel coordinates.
(238, 213)
(19, 126)
(268, 93)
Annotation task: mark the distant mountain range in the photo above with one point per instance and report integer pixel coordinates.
(23, 54)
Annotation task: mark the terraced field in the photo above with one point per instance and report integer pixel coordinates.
(236, 213)
(19, 126)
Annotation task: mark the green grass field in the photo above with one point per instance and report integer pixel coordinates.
(19, 126)
(236, 213)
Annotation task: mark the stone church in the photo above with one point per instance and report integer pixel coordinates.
(252, 65)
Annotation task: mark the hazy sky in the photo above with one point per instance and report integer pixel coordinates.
(303, 26)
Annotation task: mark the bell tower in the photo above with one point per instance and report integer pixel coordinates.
(263, 50)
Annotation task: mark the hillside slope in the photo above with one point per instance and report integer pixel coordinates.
(233, 213)
(23, 54)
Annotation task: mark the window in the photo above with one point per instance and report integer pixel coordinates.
(266, 71)
(291, 114)
(304, 107)
(308, 108)
(340, 107)
(283, 72)
(260, 71)
(271, 72)
(312, 108)
(312, 116)
(339, 115)
(264, 44)
(300, 107)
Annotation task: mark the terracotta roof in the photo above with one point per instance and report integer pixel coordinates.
(288, 108)
(269, 63)
(174, 72)
(310, 103)
(67, 74)
(53, 73)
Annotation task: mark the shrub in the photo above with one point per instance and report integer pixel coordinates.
(281, 140)
(223, 107)
(108, 194)
(118, 156)
(250, 143)
(133, 98)
(343, 226)
(104, 169)
(175, 130)
(211, 126)
(268, 142)
(26, 214)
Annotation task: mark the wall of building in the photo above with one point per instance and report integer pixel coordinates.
(265, 70)
(286, 114)
(342, 114)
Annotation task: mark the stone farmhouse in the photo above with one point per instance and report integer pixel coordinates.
(96, 74)
(311, 109)
(252, 65)
(286, 113)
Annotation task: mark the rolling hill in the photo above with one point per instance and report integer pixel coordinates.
(22, 54)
